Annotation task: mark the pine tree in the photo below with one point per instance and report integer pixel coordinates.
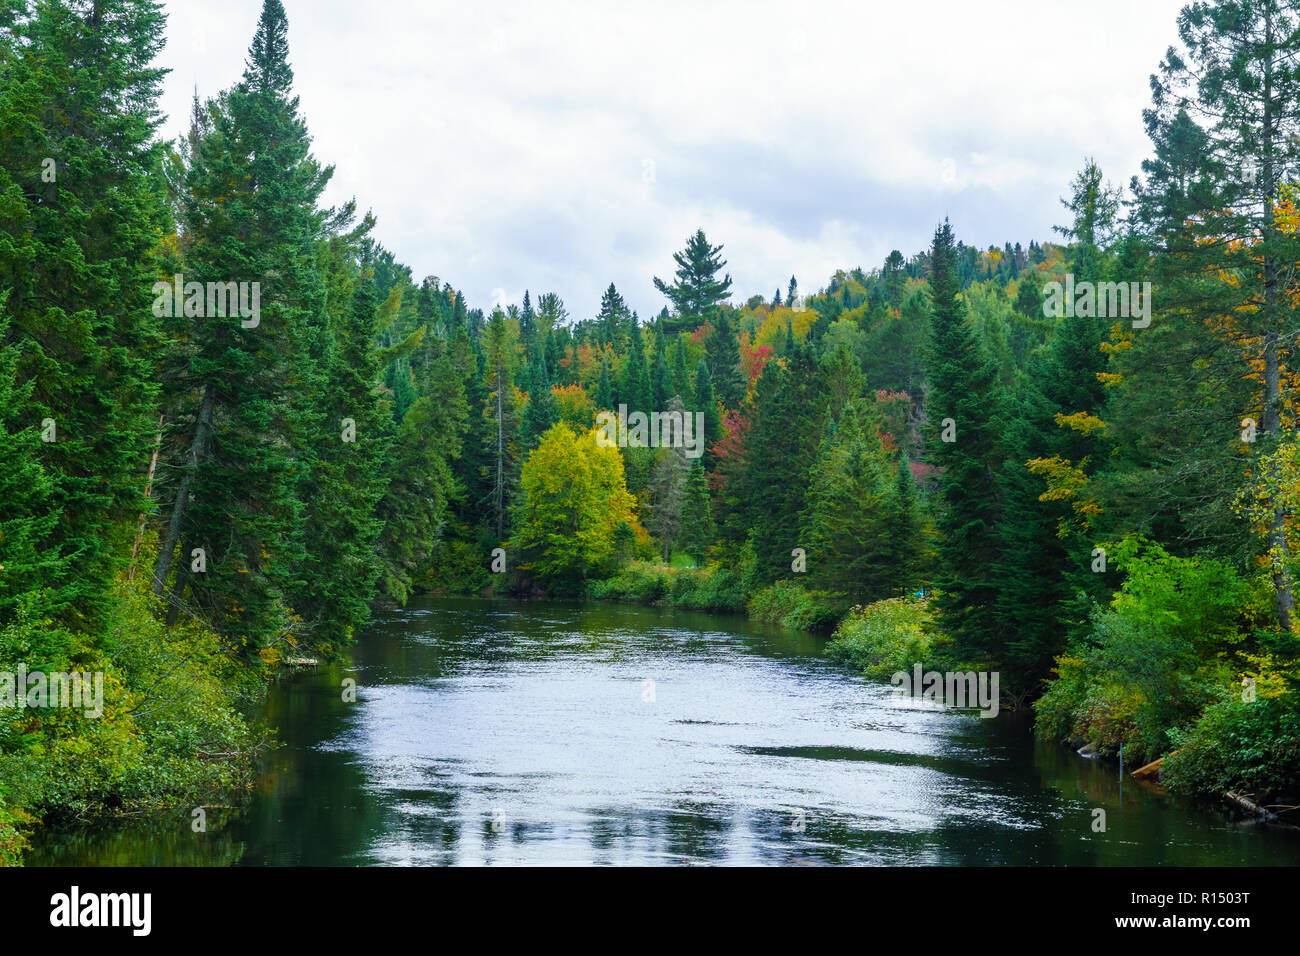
(1237, 75)
(250, 215)
(84, 205)
(696, 289)
(722, 352)
(697, 515)
(964, 400)
(542, 410)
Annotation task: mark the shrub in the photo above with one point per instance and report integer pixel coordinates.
(639, 582)
(885, 637)
(796, 608)
(1250, 747)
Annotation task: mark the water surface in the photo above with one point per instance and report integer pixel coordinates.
(492, 732)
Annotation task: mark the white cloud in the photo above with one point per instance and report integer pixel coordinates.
(503, 145)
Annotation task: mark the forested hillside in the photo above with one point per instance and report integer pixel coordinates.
(232, 423)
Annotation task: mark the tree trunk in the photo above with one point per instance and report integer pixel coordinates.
(148, 487)
(198, 452)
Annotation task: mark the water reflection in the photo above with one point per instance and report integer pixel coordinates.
(489, 733)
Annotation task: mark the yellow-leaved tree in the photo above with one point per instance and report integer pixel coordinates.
(573, 499)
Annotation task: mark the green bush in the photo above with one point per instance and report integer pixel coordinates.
(174, 728)
(1155, 659)
(791, 606)
(639, 582)
(886, 637)
(1249, 747)
(459, 566)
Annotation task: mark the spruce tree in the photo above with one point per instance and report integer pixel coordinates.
(696, 289)
(542, 410)
(845, 529)
(697, 515)
(722, 352)
(964, 405)
(706, 402)
(341, 563)
(635, 389)
(84, 207)
(250, 214)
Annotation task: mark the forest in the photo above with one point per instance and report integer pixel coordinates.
(233, 424)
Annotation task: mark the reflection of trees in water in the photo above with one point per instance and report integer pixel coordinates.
(164, 839)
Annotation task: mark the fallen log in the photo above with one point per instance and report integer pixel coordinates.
(1150, 770)
(1249, 806)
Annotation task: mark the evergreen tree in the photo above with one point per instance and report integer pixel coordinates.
(542, 410)
(706, 402)
(635, 390)
(964, 398)
(661, 381)
(604, 395)
(1237, 76)
(906, 523)
(612, 320)
(341, 564)
(786, 433)
(697, 514)
(83, 206)
(722, 352)
(681, 379)
(845, 527)
(250, 215)
(696, 289)
(32, 567)
(501, 413)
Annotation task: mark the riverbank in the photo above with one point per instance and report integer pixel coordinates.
(175, 727)
(1242, 739)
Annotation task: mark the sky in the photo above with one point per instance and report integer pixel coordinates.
(562, 146)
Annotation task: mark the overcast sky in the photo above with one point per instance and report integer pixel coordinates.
(561, 146)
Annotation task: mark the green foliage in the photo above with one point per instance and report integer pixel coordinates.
(1247, 747)
(792, 606)
(886, 637)
(696, 291)
(1155, 659)
(171, 695)
(965, 393)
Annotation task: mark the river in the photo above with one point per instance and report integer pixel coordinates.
(491, 732)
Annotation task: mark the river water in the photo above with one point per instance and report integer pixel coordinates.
(500, 733)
